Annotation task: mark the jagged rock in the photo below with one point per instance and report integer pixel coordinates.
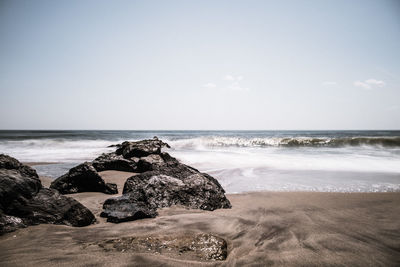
(82, 178)
(189, 246)
(10, 223)
(178, 184)
(127, 208)
(141, 148)
(112, 161)
(163, 182)
(23, 200)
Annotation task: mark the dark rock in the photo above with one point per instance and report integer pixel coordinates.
(10, 223)
(82, 178)
(18, 182)
(112, 161)
(49, 206)
(141, 148)
(23, 200)
(183, 186)
(10, 163)
(163, 182)
(149, 163)
(188, 246)
(127, 208)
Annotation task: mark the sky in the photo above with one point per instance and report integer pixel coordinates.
(200, 65)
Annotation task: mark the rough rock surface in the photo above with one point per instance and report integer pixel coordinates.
(141, 148)
(112, 161)
(82, 178)
(23, 200)
(202, 246)
(163, 181)
(127, 208)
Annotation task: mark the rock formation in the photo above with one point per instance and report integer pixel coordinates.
(163, 181)
(23, 200)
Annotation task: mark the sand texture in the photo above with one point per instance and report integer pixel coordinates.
(266, 228)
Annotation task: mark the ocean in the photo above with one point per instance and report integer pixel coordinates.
(242, 161)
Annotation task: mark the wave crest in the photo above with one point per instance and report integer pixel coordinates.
(219, 141)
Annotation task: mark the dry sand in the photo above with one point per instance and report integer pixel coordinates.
(266, 228)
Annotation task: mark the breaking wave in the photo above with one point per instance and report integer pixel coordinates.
(220, 141)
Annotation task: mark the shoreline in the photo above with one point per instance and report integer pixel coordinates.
(264, 228)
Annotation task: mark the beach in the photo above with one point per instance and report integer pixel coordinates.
(261, 228)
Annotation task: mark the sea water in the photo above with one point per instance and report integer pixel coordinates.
(242, 161)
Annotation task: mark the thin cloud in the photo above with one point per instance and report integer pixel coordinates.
(236, 87)
(232, 83)
(210, 85)
(369, 84)
(235, 83)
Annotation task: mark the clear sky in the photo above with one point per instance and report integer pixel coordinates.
(200, 64)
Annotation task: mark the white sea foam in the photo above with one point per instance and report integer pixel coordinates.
(55, 150)
(246, 163)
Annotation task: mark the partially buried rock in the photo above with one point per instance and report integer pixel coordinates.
(82, 178)
(188, 246)
(127, 208)
(23, 200)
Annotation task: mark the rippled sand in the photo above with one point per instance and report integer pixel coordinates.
(287, 229)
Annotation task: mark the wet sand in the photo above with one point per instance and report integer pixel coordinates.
(263, 228)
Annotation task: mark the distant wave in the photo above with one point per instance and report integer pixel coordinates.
(220, 141)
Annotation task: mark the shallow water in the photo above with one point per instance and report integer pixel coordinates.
(341, 161)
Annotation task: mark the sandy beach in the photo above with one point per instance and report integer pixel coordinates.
(262, 228)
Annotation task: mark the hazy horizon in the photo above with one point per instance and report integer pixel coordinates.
(209, 65)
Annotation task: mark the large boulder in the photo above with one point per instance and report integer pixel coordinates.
(83, 178)
(23, 200)
(178, 185)
(49, 206)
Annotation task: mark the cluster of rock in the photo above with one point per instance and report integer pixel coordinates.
(24, 201)
(161, 181)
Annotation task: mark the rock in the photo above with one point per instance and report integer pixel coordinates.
(10, 223)
(10, 163)
(112, 161)
(149, 162)
(188, 246)
(127, 208)
(82, 178)
(49, 206)
(18, 182)
(141, 148)
(163, 181)
(182, 185)
(23, 200)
